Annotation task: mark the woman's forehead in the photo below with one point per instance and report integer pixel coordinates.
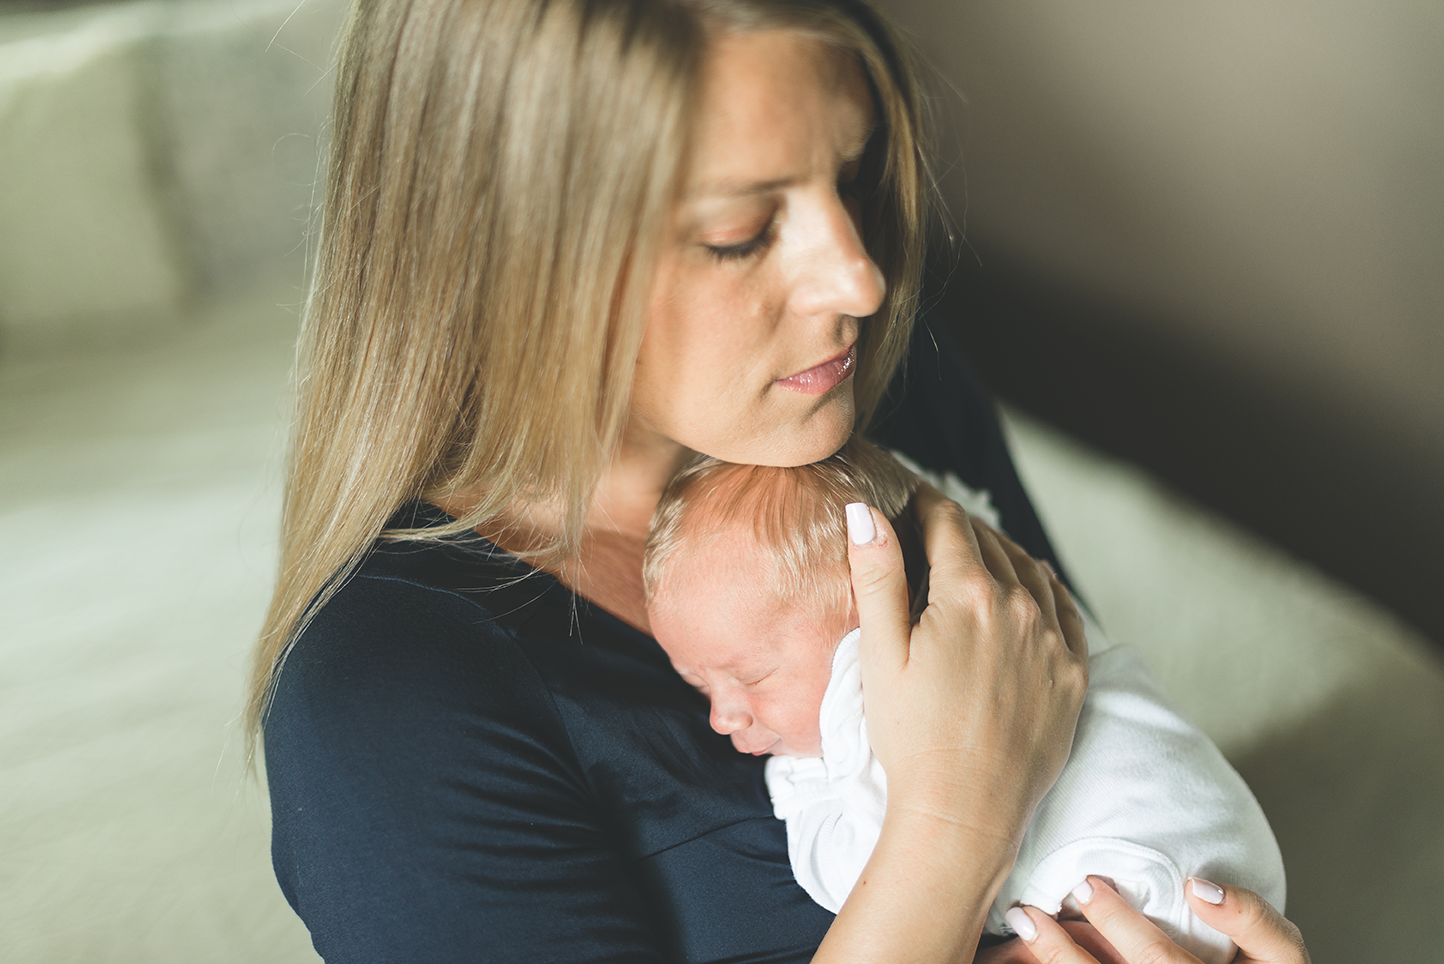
(776, 106)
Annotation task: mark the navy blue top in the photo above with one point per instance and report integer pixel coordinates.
(467, 762)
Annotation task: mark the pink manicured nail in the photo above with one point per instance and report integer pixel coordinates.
(1206, 890)
(1019, 920)
(1083, 893)
(859, 524)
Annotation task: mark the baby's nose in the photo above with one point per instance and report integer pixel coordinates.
(730, 718)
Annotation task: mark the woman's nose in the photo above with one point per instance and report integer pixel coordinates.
(837, 276)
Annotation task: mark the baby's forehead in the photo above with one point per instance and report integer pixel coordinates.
(732, 579)
(732, 563)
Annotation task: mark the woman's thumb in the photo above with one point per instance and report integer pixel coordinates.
(879, 585)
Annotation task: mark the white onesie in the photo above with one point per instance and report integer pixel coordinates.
(1145, 799)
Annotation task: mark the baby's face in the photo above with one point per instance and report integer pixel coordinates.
(763, 664)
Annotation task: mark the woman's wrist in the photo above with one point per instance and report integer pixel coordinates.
(944, 842)
(925, 892)
(987, 800)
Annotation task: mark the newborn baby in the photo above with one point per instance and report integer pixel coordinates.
(749, 592)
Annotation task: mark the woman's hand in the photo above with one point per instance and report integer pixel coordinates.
(1262, 934)
(971, 711)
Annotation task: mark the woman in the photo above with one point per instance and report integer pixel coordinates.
(565, 245)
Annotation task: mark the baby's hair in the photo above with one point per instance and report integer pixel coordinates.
(796, 514)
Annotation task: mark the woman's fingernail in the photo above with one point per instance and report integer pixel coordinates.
(1019, 920)
(859, 524)
(1048, 567)
(1206, 890)
(1083, 893)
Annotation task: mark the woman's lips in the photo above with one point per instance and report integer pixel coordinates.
(825, 377)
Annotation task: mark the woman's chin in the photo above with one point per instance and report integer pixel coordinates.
(803, 448)
(820, 435)
(783, 438)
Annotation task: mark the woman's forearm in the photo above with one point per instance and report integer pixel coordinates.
(924, 895)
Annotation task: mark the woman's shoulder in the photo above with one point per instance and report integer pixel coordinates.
(434, 613)
(389, 632)
(450, 605)
(397, 664)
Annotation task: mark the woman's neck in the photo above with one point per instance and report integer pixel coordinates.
(608, 570)
(608, 567)
(632, 483)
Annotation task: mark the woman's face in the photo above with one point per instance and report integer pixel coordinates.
(749, 348)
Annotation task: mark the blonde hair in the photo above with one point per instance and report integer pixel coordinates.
(796, 516)
(500, 176)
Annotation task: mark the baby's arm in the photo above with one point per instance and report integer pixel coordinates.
(1147, 800)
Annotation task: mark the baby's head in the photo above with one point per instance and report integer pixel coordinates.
(749, 590)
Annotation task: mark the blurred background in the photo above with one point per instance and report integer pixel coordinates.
(1199, 253)
(1209, 237)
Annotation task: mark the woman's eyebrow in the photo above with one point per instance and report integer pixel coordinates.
(740, 188)
(731, 189)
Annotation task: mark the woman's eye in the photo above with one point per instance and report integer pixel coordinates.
(739, 252)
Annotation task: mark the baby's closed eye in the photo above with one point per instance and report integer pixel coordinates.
(756, 678)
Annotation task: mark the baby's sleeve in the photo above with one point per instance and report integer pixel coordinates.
(829, 837)
(1146, 800)
(834, 806)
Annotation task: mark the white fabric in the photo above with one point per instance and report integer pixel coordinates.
(1145, 799)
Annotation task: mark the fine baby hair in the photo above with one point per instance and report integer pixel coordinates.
(796, 514)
